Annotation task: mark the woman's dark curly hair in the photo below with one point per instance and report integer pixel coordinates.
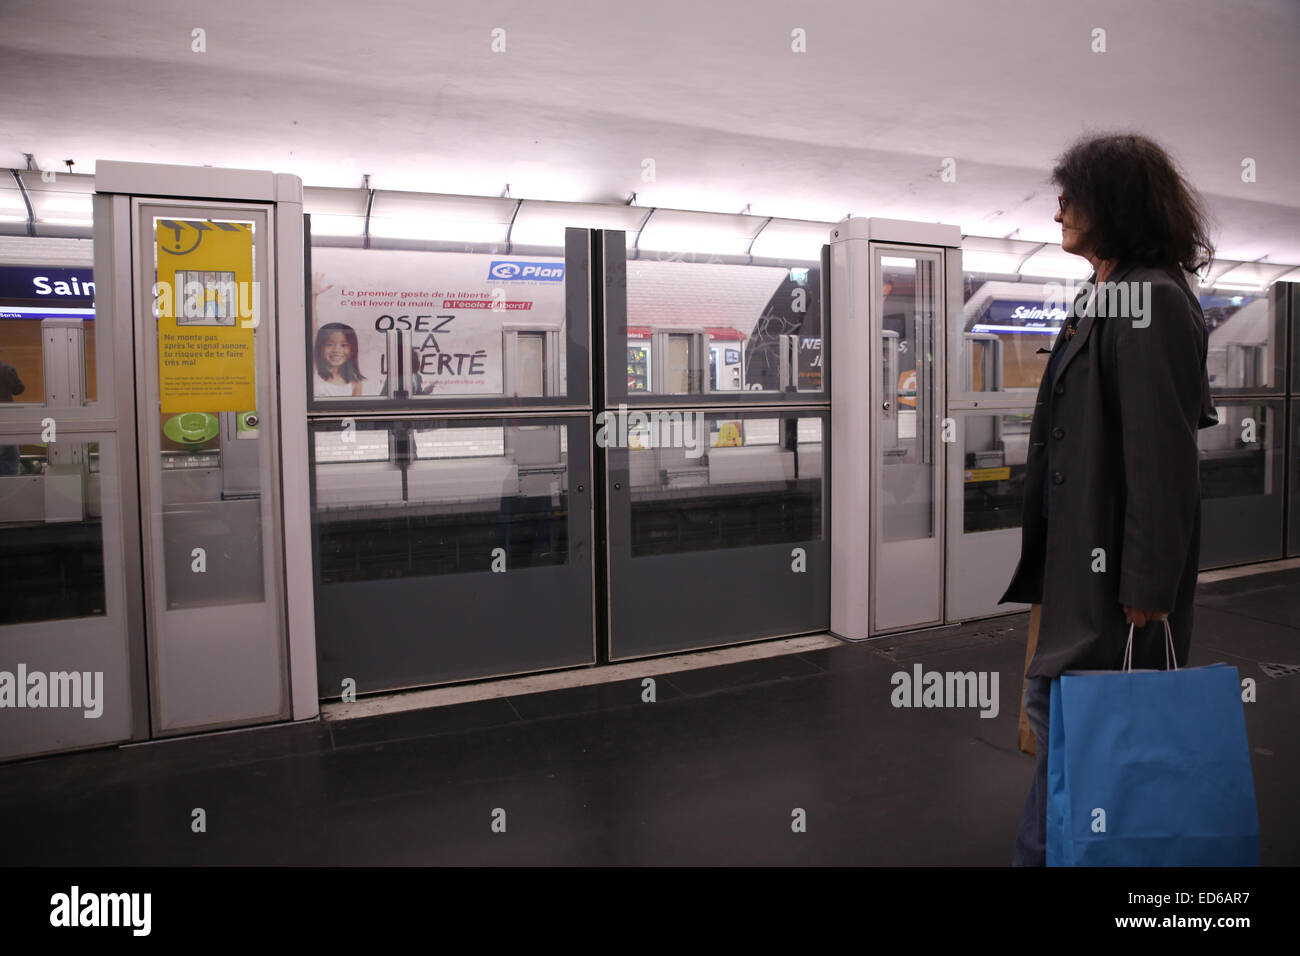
(1138, 206)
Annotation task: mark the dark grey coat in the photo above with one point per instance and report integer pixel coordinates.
(1114, 433)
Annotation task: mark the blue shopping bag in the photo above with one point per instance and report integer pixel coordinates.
(1150, 768)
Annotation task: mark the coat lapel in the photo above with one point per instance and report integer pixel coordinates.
(1074, 345)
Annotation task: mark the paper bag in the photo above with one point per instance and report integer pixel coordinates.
(1028, 742)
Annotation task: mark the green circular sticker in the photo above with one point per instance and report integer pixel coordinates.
(192, 428)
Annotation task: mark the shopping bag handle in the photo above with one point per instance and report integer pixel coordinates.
(1169, 648)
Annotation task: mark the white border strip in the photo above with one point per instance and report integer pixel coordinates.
(1245, 570)
(515, 687)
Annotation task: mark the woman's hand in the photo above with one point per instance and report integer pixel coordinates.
(1140, 616)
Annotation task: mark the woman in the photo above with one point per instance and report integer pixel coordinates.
(336, 361)
(10, 385)
(1112, 513)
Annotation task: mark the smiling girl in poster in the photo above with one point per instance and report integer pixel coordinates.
(336, 354)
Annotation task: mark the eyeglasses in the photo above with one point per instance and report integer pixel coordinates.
(1063, 201)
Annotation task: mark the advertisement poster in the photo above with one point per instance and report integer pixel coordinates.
(446, 313)
(206, 300)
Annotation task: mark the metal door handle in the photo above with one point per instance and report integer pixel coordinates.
(885, 406)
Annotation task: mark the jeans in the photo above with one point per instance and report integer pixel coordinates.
(1031, 838)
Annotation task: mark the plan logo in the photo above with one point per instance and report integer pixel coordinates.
(507, 270)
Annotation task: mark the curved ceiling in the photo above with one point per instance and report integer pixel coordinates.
(584, 94)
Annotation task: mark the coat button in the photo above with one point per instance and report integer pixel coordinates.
(1060, 388)
(1058, 432)
(1058, 478)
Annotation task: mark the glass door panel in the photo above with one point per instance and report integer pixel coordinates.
(209, 475)
(450, 549)
(51, 531)
(907, 299)
(63, 598)
(718, 527)
(1241, 474)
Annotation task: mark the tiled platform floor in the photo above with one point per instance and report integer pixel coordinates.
(710, 773)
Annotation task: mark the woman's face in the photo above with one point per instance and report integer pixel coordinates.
(1073, 227)
(336, 350)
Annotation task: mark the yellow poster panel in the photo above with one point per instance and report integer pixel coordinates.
(207, 306)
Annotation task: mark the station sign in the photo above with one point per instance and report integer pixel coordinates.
(55, 286)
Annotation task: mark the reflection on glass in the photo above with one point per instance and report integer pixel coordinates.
(726, 366)
(993, 470)
(1242, 350)
(683, 365)
(47, 355)
(466, 441)
(907, 509)
(401, 498)
(531, 364)
(1236, 454)
(51, 535)
(704, 482)
(718, 327)
(638, 366)
(1008, 329)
